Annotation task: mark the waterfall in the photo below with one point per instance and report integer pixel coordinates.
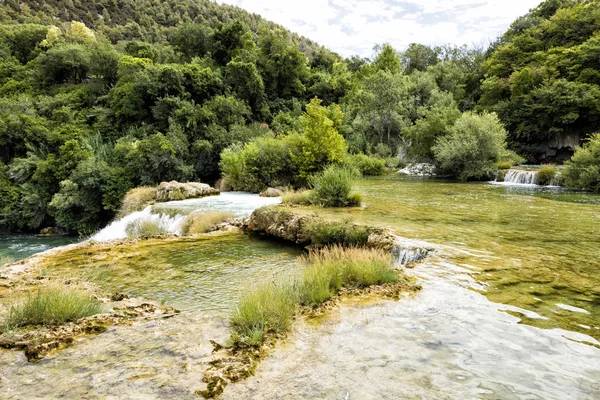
(521, 177)
(407, 254)
(118, 228)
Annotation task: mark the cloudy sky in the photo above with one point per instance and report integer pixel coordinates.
(354, 26)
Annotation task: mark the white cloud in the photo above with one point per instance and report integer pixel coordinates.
(355, 26)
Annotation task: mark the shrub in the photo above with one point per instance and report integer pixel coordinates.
(53, 305)
(368, 166)
(545, 174)
(136, 200)
(196, 224)
(146, 229)
(583, 170)
(332, 187)
(472, 148)
(267, 309)
(303, 197)
(343, 233)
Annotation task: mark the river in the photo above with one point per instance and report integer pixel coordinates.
(509, 308)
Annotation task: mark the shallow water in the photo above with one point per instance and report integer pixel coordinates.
(205, 273)
(534, 248)
(446, 342)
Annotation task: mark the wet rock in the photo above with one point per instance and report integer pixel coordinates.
(171, 191)
(280, 224)
(53, 231)
(271, 192)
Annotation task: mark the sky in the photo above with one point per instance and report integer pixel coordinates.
(354, 26)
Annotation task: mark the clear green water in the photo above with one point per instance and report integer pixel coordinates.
(537, 249)
(205, 273)
(17, 247)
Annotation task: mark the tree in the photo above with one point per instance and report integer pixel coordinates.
(472, 148)
(583, 170)
(320, 143)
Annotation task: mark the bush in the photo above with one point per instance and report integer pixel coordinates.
(332, 187)
(136, 200)
(54, 305)
(583, 170)
(545, 174)
(268, 309)
(368, 166)
(146, 229)
(303, 197)
(343, 233)
(472, 148)
(196, 224)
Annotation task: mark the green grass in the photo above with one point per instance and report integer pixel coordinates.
(196, 224)
(331, 268)
(302, 197)
(270, 308)
(53, 305)
(344, 233)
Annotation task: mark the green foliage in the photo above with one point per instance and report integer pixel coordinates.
(367, 166)
(332, 187)
(583, 170)
(301, 198)
(541, 78)
(53, 305)
(472, 147)
(320, 143)
(268, 309)
(545, 174)
(343, 233)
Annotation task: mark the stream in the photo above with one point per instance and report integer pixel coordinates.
(509, 307)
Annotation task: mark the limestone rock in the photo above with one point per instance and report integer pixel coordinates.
(171, 191)
(271, 192)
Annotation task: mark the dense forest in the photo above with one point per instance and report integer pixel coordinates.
(101, 96)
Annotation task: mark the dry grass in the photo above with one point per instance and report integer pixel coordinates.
(302, 197)
(196, 224)
(146, 229)
(136, 200)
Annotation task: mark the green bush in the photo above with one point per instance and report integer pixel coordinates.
(472, 148)
(343, 233)
(545, 175)
(196, 224)
(368, 166)
(54, 305)
(583, 170)
(332, 187)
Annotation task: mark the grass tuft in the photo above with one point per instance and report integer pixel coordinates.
(196, 224)
(303, 197)
(343, 233)
(145, 229)
(270, 309)
(332, 187)
(545, 174)
(53, 305)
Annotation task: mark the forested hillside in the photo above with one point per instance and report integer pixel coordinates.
(543, 79)
(101, 96)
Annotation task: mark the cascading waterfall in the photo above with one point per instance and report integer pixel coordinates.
(406, 253)
(239, 204)
(521, 177)
(118, 229)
